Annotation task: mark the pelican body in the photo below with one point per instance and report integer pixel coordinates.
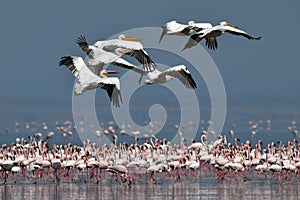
(175, 28)
(158, 77)
(111, 51)
(87, 80)
(211, 34)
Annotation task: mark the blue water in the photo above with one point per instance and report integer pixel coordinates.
(281, 113)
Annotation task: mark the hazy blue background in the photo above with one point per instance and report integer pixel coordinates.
(261, 77)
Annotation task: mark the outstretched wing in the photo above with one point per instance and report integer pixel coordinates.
(242, 33)
(236, 31)
(133, 49)
(112, 87)
(197, 27)
(123, 63)
(163, 33)
(143, 58)
(193, 41)
(182, 74)
(78, 68)
(98, 68)
(211, 43)
(83, 44)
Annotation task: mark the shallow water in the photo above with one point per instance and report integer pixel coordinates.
(201, 185)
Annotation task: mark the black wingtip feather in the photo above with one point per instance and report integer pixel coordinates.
(113, 93)
(68, 62)
(258, 38)
(81, 39)
(65, 60)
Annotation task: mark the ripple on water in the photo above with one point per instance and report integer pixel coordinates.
(206, 187)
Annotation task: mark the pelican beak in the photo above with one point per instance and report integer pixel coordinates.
(163, 33)
(106, 73)
(233, 26)
(135, 39)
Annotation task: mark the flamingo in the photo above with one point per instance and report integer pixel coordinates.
(120, 170)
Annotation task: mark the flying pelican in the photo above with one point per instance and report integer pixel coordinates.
(199, 26)
(111, 51)
(175, 28)
(211, 35)
(87, 80)
(158, 77)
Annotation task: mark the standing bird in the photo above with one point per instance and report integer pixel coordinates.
(111, 51)
(211, 35)
(175, 28)
(87, 80)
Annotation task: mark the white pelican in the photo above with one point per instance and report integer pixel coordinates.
(211, 35)
(87, 80)
(158, 77)
(199, 26)
(175, 28)
(111, 51)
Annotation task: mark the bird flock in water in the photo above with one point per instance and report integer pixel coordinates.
(154, 160)
(37, 159)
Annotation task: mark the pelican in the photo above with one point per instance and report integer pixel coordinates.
(87, 80)
(111, 51)
(211, 35)
(175, 28)
(199, 26)
(158, 77)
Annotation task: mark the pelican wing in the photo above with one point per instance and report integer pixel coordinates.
(123, 63)
(143, 58)
(98, 68)
(83, 44)
(111, 45)
(200, 26)
(193, 41)
(163, 33)
(182, 74)
(239, 32)
(175, 28)
(211, 43)
(78, 68)
(132, 49)
(112, 87)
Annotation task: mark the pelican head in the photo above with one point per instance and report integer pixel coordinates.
(135, 39)
(191, 22)
(171, 22)
(224, 23)
(105, 73)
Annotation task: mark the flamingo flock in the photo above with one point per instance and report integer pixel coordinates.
(153, 161)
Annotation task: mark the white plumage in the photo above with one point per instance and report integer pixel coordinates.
(111, 51)
(199, 26)
(158, 77)
(175, 28)
(211, 34)
(87, 80)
